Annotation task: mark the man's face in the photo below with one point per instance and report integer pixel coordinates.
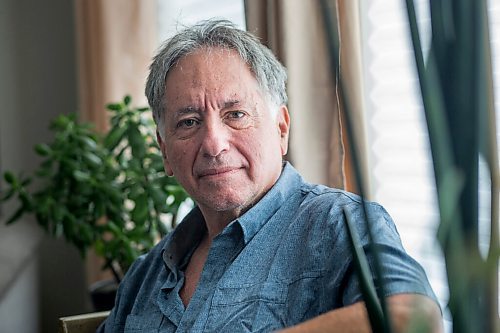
(222, 141)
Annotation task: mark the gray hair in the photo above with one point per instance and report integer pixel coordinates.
(269, 72)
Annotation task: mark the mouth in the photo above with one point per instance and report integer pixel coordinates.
(216, 172)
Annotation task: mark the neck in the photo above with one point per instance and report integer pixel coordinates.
(216, 221)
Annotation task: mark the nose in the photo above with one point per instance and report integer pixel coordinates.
(215, 140)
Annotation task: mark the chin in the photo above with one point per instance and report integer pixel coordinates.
(226, 203)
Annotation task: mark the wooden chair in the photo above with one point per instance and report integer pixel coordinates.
(84, 323)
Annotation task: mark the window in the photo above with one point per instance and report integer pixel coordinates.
(400, 160)
(175, 13)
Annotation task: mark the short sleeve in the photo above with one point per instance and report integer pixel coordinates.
(400, 272)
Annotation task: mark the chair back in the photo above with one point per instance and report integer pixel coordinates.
(84, 323)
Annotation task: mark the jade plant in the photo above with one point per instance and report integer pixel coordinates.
(107, 192)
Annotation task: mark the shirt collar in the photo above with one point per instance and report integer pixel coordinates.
(256, 217)
(184, 239)
(192, 228)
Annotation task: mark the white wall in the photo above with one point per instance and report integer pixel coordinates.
(40, 278)
(22, 289)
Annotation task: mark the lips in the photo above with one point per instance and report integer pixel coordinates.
(216, 171)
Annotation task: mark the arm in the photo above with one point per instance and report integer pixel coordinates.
(354, 318)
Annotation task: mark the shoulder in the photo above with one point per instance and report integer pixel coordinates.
(320, 199)
(137, 286)
(323, 197)
(144, 268)
(324, 210)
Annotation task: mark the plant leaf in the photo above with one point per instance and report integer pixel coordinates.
(127, 100)
(372, 302)
(81, 176)
(9, 177)
(7, 195)
(140, 212)
(42, 149)
(136, 142)
(17, 214)
(114, 137)
(114, 107)
(92, 159)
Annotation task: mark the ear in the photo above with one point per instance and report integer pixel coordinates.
(163, 149)
(283, 128)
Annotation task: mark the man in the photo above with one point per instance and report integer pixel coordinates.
(263, 250)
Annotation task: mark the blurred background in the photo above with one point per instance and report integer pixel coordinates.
(59, 56)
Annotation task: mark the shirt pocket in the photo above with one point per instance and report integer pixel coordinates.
(249, 308)
(135, 323)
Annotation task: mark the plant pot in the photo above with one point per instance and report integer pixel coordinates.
(102, 294)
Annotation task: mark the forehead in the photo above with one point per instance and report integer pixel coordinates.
(210, 56)
(209, 71)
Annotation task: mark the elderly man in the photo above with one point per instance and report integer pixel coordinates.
(263, 250)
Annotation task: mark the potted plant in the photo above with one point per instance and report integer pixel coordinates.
(105, 192)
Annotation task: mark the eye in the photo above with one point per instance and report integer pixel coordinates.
(238, 119)
(235, 114)
(187, 123)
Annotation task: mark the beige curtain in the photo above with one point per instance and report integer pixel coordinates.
(115, 43)
(263, 19)
(294, 30)
(352, 71)
(116, 40)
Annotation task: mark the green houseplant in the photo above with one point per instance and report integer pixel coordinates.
(455, 79)
(457, 92)
(106, 192)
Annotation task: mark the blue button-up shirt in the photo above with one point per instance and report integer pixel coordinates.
(286, 260)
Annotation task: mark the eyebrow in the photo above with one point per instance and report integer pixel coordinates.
(231, 103)
(192, 109)
(187, 110)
